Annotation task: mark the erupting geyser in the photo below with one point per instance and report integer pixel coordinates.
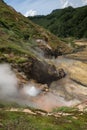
(32, 91)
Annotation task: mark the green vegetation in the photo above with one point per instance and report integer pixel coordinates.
(65, 109)
(17, 40)
(68, 22)
(67, 119)
(24, 121)
(7, 105)
(18, 34)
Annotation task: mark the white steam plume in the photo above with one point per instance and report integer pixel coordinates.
(9, 88)
(8, 82)
(31, 90)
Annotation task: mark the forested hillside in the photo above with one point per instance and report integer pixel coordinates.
(68, 22)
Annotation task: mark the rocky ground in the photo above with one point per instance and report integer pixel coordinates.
(61, 81)
(69, 90)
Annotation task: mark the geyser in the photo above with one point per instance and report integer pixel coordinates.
(31, 90)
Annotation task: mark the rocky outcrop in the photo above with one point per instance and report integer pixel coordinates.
(40, 71)
(46, 48)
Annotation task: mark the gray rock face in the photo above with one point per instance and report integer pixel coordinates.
(41, 71)
(46, 73)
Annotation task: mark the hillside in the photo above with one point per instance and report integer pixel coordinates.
(67, 22)
(17, 30)
(31, 51)
(23, 44)
(43, 81)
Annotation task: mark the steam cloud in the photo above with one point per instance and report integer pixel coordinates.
(31, 90)
(8, 82)
(9, 90)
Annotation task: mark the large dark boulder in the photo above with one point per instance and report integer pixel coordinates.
(41, 71)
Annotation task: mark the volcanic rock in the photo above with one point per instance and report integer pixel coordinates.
(40, 71)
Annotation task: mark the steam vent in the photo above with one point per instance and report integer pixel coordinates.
(43, 65)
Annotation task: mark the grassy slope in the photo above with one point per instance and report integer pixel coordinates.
(63, 118)
(65, 22)
(18, 33)
(24, 121)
